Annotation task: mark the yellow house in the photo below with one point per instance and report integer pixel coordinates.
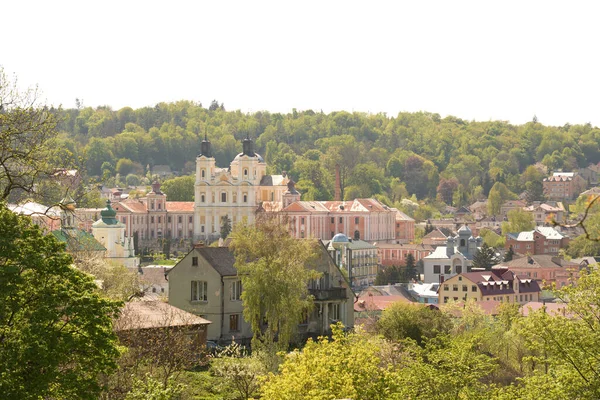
(499, 284)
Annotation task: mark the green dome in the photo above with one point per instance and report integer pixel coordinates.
(109, 214)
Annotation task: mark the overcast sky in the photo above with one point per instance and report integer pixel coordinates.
(482, 60)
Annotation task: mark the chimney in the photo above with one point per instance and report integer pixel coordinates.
(338, 184)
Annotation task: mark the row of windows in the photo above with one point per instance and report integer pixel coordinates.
(199, 289)
(224, 198)
(447, 269)
(341, 220)
(139, 219)
(464, 288)
(159, 234)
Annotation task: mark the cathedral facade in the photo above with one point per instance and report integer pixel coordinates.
(234, 192)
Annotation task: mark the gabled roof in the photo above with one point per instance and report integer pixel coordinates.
(435, 234)
(527, 236)
(220, 258)
(538, 261)
(132, 205)
(400, 216)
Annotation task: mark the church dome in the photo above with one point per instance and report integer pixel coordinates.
(339, 240)
(464, 230)
(256, 155)
(109, 214)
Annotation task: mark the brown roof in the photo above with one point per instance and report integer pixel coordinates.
(499, 282)
(135, 206)
(551, 308)
(155, 314)
(175, 206)
(538, 261)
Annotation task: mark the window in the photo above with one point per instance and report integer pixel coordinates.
(335, 312)
(159, 205)
(194, 261)
(459, 269)
(169, 219)
(202, 198)
(462, 242)
(245, 198)
(473, 288)
(236, 290)
(445, 287)
(234, 198)
(455, 288)
(123, 219)
(332, 234)
(436, 269)
(199, 291)
(340, 220)
(234, 322)
(159, 220)
(223, 197)
(152, 234)
(179, 219)
(202, 229)
(445, 299)
(152, 205)
(191, 219)
(447, 269)
(245, 171)
(152, 220)
(356, 219)
(332, 220)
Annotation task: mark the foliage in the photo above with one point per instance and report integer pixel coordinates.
(510, 253)
(56, 332)
(225, 226)
(519, 220)
(275, 270)
(152, 389)
(415, 321)
(240, 372)
(180, 188)
(485, 257)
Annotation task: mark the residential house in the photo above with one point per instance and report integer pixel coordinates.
(363, 259)
(479, 209)
(426, 293)
(395, 254)
(47, 218)
(434, 238)
(153, 281)
(454, 258)
(541, 240)
(544, 214)
(499, 284)
(590, 173)
(511, 205)
(544, 268)
(491, 223)
(205, 283)
(564, 186)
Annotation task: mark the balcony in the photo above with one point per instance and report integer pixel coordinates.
(338, 293)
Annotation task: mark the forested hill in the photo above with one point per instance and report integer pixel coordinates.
(409, 154)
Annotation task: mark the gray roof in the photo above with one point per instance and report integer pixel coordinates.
(271, 180)
(220, 258)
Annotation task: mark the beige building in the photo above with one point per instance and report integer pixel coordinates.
(205, 283)
(234, 192)
(499, 284)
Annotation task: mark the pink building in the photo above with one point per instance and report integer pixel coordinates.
(395, 254)
(365, 219)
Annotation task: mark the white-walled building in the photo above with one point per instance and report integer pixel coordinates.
(453, 259)
(109, 232)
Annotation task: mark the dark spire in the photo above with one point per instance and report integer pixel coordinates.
(248, 146)
(205, 146)
(109, 214)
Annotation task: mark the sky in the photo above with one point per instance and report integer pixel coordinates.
(476, 60)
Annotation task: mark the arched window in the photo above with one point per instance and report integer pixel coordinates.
(245, 198)
(235, 197)
(356, 235)
(245, 172)
(202, 198)
(203, 173)
(462, 242)
(459, 269)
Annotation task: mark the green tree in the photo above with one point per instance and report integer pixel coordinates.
(509, 255)
(56, 334)
(485, 257)
(225, 226)
(180, 188)
(519, 220)
(414, 321)
(534, 191)
(275, 271)
(125, 166)
(409, 268)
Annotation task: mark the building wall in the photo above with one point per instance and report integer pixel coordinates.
(447, 267)
(390, 254)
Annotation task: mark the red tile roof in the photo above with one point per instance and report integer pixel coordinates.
(182, 206)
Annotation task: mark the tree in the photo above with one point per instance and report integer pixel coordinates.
(485, 257)
(519, 220)
(410, 271)
(534, 191)
(225, 226)
(180, 188)
(275, 271)
(509, 255)
(27, 133)
(414, 321)
(446, 189)
(56, 334)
